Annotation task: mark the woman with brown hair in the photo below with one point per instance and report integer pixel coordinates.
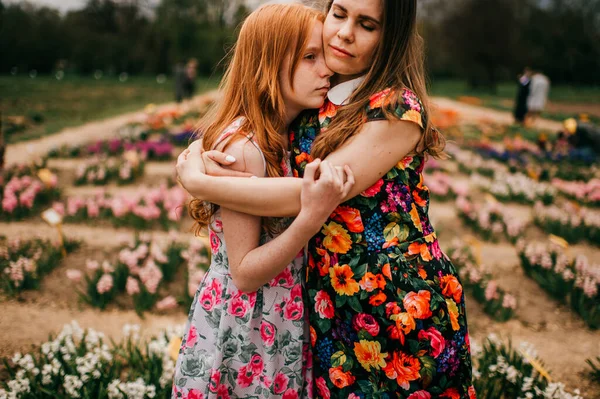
(246, 334)
(387, 312)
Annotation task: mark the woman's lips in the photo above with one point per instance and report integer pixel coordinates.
(340, 51)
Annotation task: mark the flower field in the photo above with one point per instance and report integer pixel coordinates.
(94, 307)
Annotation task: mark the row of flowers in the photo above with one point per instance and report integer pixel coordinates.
(569, 221)
(495, 301)
(176, 125)
(587, 193)
(507, 187)
(80, 363)
(502, 370)
(490, 220)
(573, 281)
(154, 150)
(145, 209)
(443, 187)
(25, 195)
(101, 171)
(142, 270)
(24, 263)
(83, 364)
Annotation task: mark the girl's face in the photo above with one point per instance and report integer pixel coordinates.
(310, 82)
(351, 35)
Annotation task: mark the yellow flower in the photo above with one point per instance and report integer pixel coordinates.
(173, 347)
(453, 313)
(337, 238)
(414, 215)
(342, 281)
(368, 353)
(413, 116)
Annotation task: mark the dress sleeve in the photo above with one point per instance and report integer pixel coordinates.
(404, 104)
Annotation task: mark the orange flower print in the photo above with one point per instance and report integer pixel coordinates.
(451, 288)
(342, 281)
(303, 157)
(340, 378)
(418, 200)
(325, 262)
(403, 368)
(413, 116)
(368, 354)
(422, 272)
(450, 393)
(420, 249)
(350, 217)
(370, 282)
(336, 239)
(416, 219)
(313, 336)
(381, 99)
(417, 304)
(387, 271)
(391, 243)
(404, 322)
(328, 110)
(453, 312)
(405, 162)
(367, 283)
(395, 333)
(377, 299)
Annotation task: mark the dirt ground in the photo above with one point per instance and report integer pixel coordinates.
(559, 335)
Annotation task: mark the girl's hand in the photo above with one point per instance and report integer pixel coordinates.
(320, 197)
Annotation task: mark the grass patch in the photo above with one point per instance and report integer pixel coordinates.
(506, 93)
(32, 108)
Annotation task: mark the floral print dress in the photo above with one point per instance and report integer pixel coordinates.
(240, 345)
(387, 310)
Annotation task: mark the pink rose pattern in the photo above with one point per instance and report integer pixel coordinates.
(240, 345)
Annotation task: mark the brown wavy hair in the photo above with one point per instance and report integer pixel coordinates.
(251, 89)
(398, 63)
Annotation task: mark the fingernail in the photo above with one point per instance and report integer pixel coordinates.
(254, 177)
(230, 158)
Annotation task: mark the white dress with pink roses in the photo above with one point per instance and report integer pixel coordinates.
(239, 345)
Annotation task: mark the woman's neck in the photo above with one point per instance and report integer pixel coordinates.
(338, 79)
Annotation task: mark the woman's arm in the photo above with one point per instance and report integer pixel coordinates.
(378, 147)
(251, 265)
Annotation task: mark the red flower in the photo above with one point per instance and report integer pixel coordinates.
(323, 305)
(350, 217)
(373, 190)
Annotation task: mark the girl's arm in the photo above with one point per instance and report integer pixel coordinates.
(370, 155)
(251, 265)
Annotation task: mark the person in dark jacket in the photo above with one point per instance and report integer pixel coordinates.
(524, 83)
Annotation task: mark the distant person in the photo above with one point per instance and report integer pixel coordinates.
(583, 138)
(189, 78)
(179, 81)
(538, 95)
(524, 84)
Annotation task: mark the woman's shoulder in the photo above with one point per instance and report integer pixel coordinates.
(403, 103)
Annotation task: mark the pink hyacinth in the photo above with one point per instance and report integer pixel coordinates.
(74, 275)
(105, 284)
(509, 302)
(491, 291)
(92, 265)
(15, 273)
(132, 286)
(150, 276)
(9, 202)
(167, 303)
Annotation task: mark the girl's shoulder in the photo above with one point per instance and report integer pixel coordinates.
(402, 103)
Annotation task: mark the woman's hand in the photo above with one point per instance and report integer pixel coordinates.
(190, 164)
(320, 197)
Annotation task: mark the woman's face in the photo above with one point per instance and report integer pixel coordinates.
(310, 82)
(351, 35)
